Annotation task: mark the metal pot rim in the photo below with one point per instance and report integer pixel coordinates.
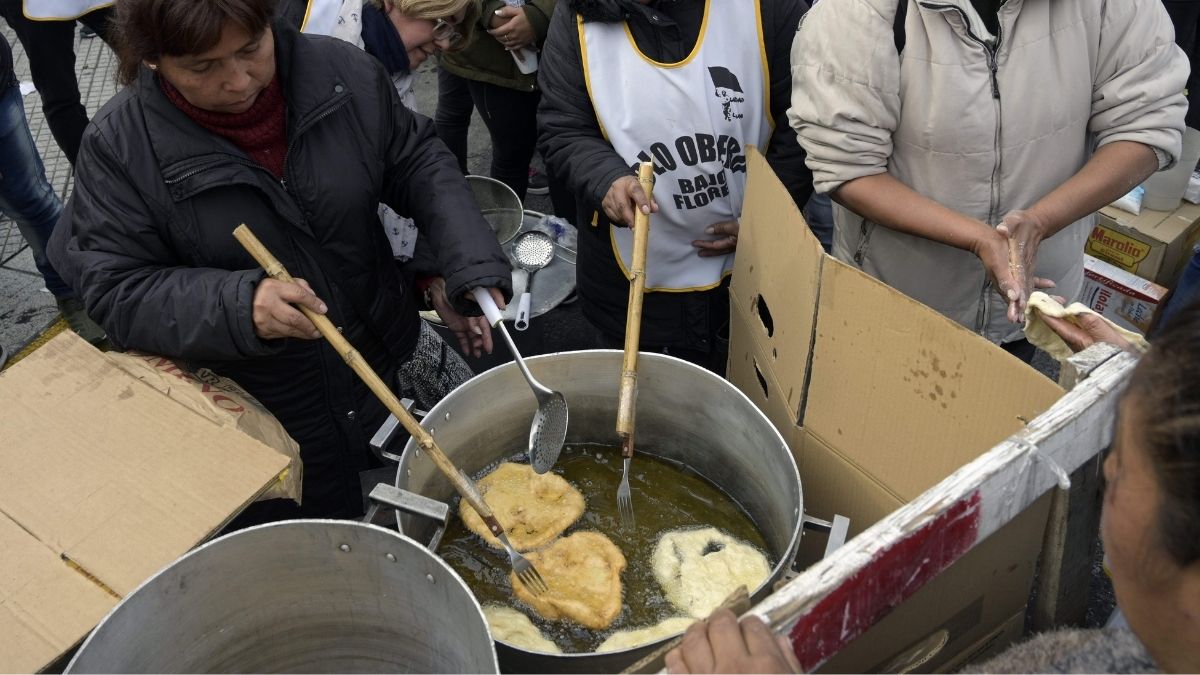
(199, 550)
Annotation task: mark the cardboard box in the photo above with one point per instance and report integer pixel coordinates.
(1124, 298)
(1154, 245)
(879, 398)
(103, 481)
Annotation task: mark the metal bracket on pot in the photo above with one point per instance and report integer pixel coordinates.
(384, 496)
(387, 431)
(837, 531)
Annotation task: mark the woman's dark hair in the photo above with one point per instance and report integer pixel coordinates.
(148, 29)
(1166, 396)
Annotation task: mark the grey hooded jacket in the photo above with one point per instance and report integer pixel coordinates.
(979, 123)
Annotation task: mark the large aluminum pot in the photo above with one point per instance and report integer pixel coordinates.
(684, 413)
(297, 596)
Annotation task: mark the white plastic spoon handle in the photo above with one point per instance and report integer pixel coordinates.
(488, 304)
(522, 321)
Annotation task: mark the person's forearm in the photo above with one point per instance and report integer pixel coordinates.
(884, 200)
(1114, 170)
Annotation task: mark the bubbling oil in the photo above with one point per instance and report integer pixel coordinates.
(666, 496)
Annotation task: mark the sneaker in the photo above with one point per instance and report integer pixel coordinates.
(538, 185)
(86, 33)
(77, 318)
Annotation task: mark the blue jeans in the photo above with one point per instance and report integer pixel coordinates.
(819, 214)
(25, 194)
(1187, 292)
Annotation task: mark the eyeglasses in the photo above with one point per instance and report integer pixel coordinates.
(444, 31)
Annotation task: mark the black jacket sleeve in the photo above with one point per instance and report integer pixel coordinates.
(783, 151)
(422, 180)
(108, 245)
(569, 134)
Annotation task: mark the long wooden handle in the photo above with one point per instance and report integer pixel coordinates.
(461, 482)
(627, 395)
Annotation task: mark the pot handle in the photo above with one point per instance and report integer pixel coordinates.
(384, 496)
(837, 530)
(387, 432)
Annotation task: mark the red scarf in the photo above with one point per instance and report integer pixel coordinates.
(260, 132)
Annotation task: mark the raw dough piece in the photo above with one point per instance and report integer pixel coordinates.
(1044, 337)
(583, 572)
(516, 629)
(533, 509)
(636, 637)
(698, 569)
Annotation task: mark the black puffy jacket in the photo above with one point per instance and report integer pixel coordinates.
(577, 153)
(146, 241)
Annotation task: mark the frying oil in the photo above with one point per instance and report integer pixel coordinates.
(666, 496)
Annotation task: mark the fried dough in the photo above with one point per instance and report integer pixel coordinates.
(698, 569)
(513, 627)
(636, 637)
(583, 572)
(533, 509)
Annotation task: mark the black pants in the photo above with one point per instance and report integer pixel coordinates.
(511, 119)
(1185, 14)
(50, 46)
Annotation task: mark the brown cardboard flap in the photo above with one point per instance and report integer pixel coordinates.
(893, 382)
(779, 288)
(112, 479)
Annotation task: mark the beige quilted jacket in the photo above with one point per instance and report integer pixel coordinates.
(980, 123)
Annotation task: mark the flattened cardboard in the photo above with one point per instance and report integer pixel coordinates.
(884, 399)
(903, 392)
(110, 481)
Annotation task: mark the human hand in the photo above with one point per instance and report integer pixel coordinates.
(273, 312)
(511, 28)
(1007, 277)
(623, 197)
(726, 244)
(723, 645)
(1024, 232)
(1086, 330)
(474, 333)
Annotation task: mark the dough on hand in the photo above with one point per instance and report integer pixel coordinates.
(532, 508)
(698, 569)
(513, 627)
(636, 637)
(583, 572)
(1043, 336)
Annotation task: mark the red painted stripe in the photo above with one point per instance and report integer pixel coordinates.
(886, 581)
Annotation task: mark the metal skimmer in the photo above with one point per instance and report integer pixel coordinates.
(532, 250)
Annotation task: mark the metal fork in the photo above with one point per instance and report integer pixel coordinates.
(521, 566)
(624, 500)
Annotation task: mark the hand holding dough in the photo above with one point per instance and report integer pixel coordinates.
(532, 508)
(1043, 336)
(583, 572)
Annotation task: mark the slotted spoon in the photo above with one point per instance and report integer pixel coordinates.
(549, 429)
(532, 250)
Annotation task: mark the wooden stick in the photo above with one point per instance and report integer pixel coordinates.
(738, 602)
(350, 355)
(627, 396)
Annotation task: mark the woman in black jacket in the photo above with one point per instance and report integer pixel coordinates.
(230, 119)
